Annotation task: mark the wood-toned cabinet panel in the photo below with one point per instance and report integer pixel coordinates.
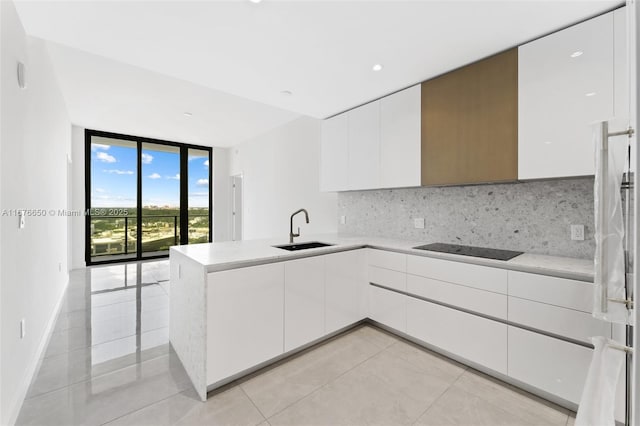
(470, 123)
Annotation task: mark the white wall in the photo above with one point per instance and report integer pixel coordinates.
(221, 211)
(281, 172)
(35, 137)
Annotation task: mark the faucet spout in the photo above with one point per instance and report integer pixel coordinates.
(291, 233)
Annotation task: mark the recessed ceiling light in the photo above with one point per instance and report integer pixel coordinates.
(590, 94)
(577, 53)
(547, 142)
(255, 1)
(187, 114)
(286, 92)
(377, 67)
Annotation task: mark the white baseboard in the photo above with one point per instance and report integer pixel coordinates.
(34, 364)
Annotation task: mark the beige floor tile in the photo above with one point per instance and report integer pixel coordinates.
(460, 408)
(384, 390)
(376, 336)
(231, 407)
(509, 398)
(280, 387)
(426, 360)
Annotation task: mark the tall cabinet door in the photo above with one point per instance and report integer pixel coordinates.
(364, 146)
(334, 154)
(565, 83)
(345, 289)
(400, 139)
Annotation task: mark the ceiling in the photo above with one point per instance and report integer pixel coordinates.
(103, 94)
(320, 51)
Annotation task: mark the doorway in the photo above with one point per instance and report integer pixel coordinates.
(144, 196)
(236, 208)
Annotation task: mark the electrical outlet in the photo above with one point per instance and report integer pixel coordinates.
(577, 232)
(418, 223)
(20, 219)
(343, 220)
(23, 328)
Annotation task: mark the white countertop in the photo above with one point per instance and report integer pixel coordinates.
(237, 254)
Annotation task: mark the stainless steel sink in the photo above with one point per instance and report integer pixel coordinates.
(303, 246)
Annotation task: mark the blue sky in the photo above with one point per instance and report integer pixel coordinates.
(114, 174)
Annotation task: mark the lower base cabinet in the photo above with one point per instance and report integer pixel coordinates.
(477, 339)
(245, 319)
(388, 307)
(549, 364)
(345, 287)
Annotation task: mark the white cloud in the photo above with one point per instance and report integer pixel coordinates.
(202, 182)
(118, 172)
(176, 177)
(206, 163)
(98, 146)
(105, 158)
(147, 158)
(154, 176)
(100, 190)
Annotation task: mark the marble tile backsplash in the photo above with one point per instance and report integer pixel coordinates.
(531, 216)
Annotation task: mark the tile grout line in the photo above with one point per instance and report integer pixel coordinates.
(264, 418)
(333, 379)
(142, 408)
(439, 396)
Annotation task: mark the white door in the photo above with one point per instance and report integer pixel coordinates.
(236, 208)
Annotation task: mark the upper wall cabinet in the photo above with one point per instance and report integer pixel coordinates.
(364, 146)
(334, 154)
(469, 123)
(565, 83)
(400, 139)
(373, 146)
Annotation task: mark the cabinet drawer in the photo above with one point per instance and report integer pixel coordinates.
(554, 291)
(388, 278)
(481, 277)
(484, 302)
(549, 364)
(475, 338)
(388, 308)
(388, 260)
(553, 319)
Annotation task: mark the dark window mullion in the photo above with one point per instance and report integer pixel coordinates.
(184, 195)
(139, 204)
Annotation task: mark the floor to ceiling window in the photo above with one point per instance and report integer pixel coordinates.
(144, 196)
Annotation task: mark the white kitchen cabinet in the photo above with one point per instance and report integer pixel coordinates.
(304, 304)
(400, 145)
(564, 322)
(388, 307)
(556, 291)
(345, 289)
(474, 338)
(334, 154)
(565, 83)
(549, 364)
(387, 278)
(245, 319)
(364, 146)
(480, 301)
(387, 259)
(476, 276)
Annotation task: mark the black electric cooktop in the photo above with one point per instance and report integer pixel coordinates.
(487, 253)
